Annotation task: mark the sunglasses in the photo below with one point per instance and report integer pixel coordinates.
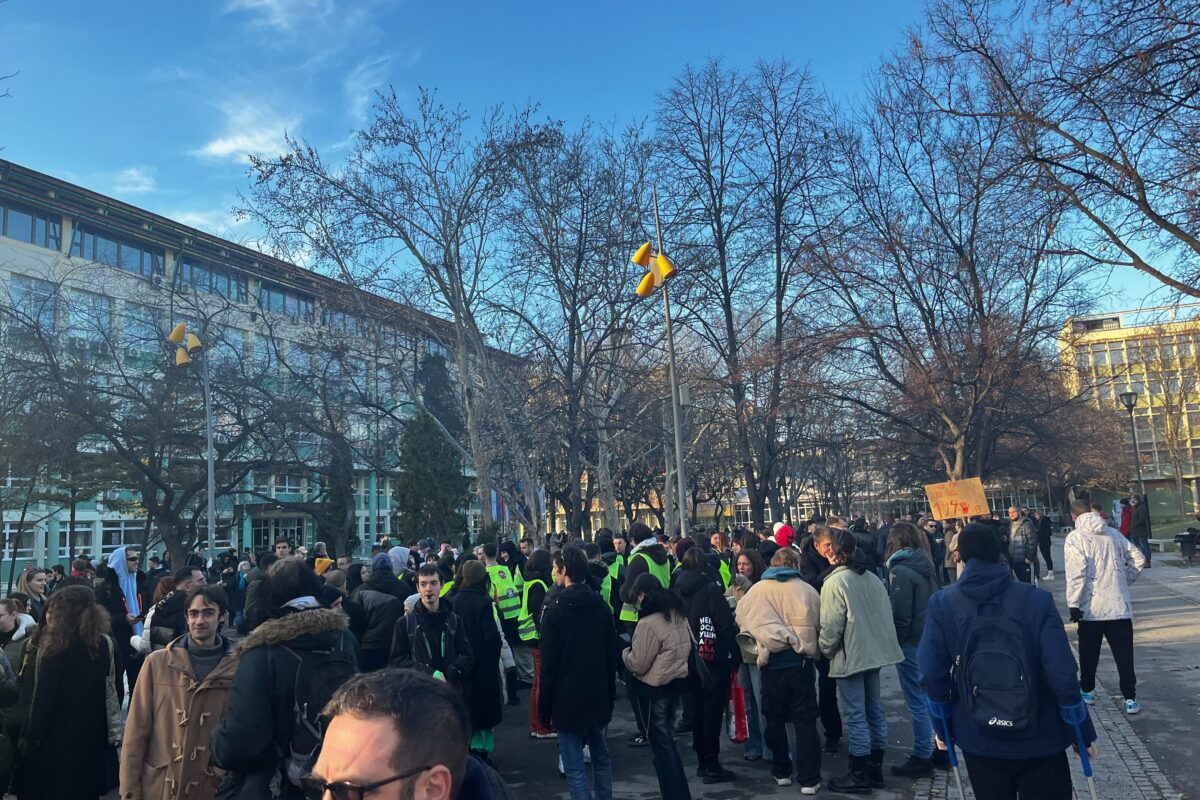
(315, 787)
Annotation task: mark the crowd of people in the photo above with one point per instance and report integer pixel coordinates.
(285, 674)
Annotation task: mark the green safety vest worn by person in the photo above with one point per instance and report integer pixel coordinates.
(447, 587)
(660, 571)
(504, 592)
(614, 569)
(526, 625)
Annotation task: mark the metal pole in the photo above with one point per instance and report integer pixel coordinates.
(1137, 456)
(212, 483)
(680, 479)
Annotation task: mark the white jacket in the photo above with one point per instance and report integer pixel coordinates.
(1101, 563)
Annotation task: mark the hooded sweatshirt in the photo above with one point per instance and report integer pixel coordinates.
(128, 584)
(637, 566)
(1046, 642)
(911, 582)
(1100, 565)
(398, 557)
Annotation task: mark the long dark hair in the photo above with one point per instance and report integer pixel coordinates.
(72, 615)
(658, 600)
(756, 564)
(906, 536)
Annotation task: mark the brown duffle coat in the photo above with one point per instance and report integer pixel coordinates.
(165, 751)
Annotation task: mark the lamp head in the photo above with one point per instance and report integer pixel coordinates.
(194, 345)
(182, 359)
(1128, 399)
(642, 256)
(177, 334)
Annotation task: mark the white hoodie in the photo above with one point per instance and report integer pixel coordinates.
(1101, 563)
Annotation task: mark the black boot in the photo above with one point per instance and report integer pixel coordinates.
(510, 680)
(713, 772)
(856, 781)
(875, 769)
(940, 759)
(914, 768)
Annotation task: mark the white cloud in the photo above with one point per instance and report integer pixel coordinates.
(217, 221)
(134, 180)
(250, 129)
(283, 15)
(360, 84)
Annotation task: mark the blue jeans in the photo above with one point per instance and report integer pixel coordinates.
(914, 695)
(750, 679)
(862, 712)
(570, 747)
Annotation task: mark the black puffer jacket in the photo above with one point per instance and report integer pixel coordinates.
(257, 727)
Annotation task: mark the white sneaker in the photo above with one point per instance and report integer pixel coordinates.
(1049, 574)
(786, 781)
(1132, 707)
(810, 790)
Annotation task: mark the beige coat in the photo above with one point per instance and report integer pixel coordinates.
(165, 752)
(781, 615)
(660, 649)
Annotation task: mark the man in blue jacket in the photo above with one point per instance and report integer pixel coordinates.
(1033, 763)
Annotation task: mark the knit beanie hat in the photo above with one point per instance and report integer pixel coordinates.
(979, 541)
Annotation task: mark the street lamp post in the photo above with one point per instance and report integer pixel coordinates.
(659, 269)
(1129, 400)
(190, 345)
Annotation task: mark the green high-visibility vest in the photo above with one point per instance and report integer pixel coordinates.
(725, 576)
(614, 569)
(660, 571)
(447, 587)
(526, 626)
(504, 592)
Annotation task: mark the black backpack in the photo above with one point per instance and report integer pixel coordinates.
(319, 673)
(994, 675)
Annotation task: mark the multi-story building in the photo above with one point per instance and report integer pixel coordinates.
(105, 280)
(1155, 353)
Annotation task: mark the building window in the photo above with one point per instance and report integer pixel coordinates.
(273, 297)
(29, 226)
(289, 484)
(104, 248)
(90, 318)
(341, 321)
(141, 332)
(34, 300)
(212, 279)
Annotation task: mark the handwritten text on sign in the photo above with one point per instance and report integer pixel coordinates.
(963, 498)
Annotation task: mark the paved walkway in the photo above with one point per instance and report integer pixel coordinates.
(1149, 756)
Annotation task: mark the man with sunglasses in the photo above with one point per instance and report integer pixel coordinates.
(176, 705)
(377, 744)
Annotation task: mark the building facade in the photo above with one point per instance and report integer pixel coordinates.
(98, 283)
(1155, 353)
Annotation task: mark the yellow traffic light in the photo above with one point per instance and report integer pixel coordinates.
(182, 359)
(177, 333)
(642, 256)
(194, 345)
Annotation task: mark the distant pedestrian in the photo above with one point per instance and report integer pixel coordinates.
(481, 685)
(1100, 566)
(1139, 526)
(1045, 532)
(748, 570)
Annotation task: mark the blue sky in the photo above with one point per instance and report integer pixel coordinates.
(157, 103)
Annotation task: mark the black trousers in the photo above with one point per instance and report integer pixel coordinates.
(789, 696)
(1046, 778)
(1022, 571)
(1119, 633)
(708, 713)
(831, 718)
(1044, 546)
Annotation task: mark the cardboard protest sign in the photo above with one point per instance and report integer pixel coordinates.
(953, 499)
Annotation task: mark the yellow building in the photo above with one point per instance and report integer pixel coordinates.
(1154, 352)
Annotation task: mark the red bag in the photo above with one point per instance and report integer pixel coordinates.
(738, 729)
